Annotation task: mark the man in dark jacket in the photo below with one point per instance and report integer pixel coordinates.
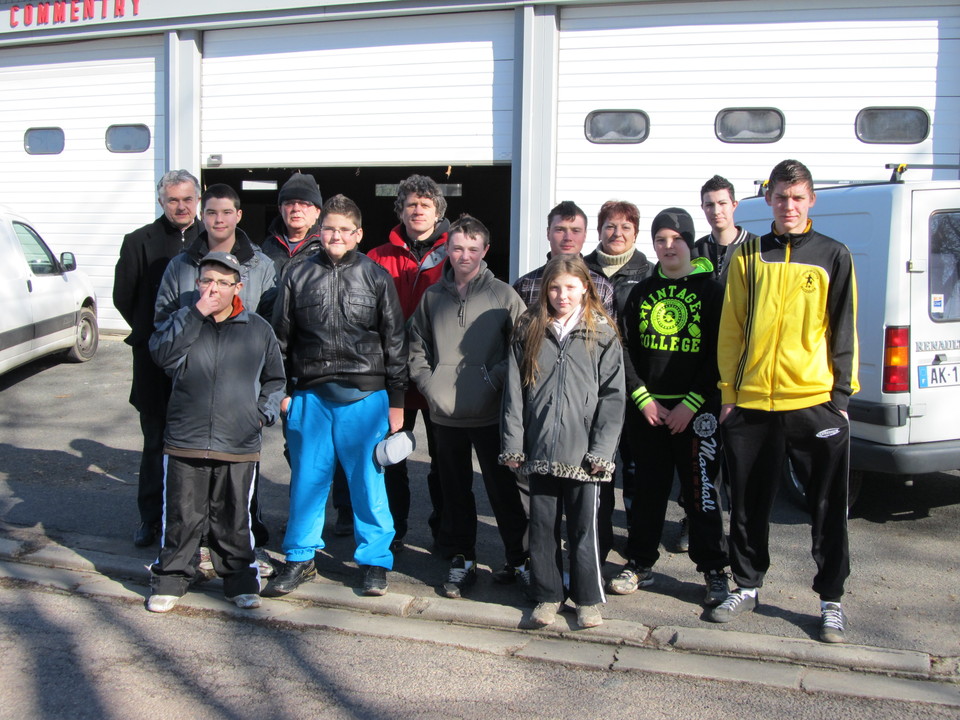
(342, 335)
(718, 202)
(227, 384)
(221, 213)
(144, 256)
(294, 236)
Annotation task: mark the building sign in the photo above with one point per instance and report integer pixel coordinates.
(63, 12)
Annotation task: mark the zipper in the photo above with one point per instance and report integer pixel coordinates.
(783, 292)
(213, 398)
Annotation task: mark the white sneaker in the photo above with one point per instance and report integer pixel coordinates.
(544, 614)
(247, 601)
(161, 603)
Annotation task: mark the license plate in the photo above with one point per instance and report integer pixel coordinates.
(939, 375)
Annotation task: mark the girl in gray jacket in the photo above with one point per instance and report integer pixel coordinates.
(563, 411)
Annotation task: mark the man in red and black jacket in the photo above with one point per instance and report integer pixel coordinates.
(414, 255)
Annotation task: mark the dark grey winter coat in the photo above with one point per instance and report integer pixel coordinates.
(572, 417)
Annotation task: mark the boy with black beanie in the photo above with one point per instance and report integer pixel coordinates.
(669, 327)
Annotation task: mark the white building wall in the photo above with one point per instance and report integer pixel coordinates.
(430, 89)
(85, 198)
(683, 62)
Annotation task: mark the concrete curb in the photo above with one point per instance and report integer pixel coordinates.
(487, 627)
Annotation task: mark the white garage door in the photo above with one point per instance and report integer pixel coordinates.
(85, 197)
(429, 89)
(682, 63)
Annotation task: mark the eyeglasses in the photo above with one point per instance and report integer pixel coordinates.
(298, 203)
(342, 232)
(222, 284)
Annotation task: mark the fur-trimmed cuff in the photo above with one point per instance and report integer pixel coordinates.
(607, 465)
(504, 458)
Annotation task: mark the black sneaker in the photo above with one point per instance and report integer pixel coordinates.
(146, 534)
(683, 539)
(718, 587)
(736, 604)
(831, 623)
(375, 580)
(459, 577)
(344, 524)
(290, 578)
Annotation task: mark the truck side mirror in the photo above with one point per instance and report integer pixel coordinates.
(68, 262)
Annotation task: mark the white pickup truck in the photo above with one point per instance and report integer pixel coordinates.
(905, 240)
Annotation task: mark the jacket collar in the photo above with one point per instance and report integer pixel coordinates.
(242, 248)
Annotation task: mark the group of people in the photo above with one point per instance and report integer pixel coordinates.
(710, 365)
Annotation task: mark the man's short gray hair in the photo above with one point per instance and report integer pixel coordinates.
(177, 177)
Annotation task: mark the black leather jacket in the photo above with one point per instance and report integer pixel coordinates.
(342, 322)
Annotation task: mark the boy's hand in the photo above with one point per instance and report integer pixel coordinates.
(678, 418)
(284, 404)
(654, 413)
(208, 301)
(396, 420)
(725, 411)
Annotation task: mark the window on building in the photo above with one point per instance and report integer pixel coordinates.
(749, 125)
(43, 141)
(944, 266)
(128, 138)
(893, 125)
(617, 126)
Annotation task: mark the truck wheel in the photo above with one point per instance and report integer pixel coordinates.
(87, 337)
(798, 494)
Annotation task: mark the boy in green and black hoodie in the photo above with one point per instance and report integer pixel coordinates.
(669, 329)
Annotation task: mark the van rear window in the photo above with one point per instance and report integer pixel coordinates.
(945, 266)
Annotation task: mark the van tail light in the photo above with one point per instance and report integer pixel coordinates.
(896, 360)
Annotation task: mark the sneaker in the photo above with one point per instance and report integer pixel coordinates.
(507, 575)
(265, 562)
(525, 579)
(146, 534)
(459, 577)
(204, 562)
(544, 614)
(375, 580)
(718, 587)
(588, 616)
(630, 578)
(683, 540)
(831, 623)
(736, 603)
(344, 524)
(290, 577)
(161, 603)
(247, 601)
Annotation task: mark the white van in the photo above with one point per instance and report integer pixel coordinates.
(905, 240)
(48, 305)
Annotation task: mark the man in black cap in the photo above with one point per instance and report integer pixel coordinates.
(144, 256)
(292, 237)
(221, 213)
(670, 327)
(228, 382)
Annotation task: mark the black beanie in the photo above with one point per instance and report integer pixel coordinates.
(300, 187)
(676, 219)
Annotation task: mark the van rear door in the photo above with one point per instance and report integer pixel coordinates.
(935, 315)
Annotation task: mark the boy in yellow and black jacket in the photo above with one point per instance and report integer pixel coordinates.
(787, 356)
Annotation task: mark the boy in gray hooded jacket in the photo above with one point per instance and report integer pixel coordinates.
(459, 338)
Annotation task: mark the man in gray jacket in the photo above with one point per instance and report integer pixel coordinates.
(459, 338)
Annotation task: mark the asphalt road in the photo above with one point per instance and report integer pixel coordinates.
(88, 658)
(69, 457)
